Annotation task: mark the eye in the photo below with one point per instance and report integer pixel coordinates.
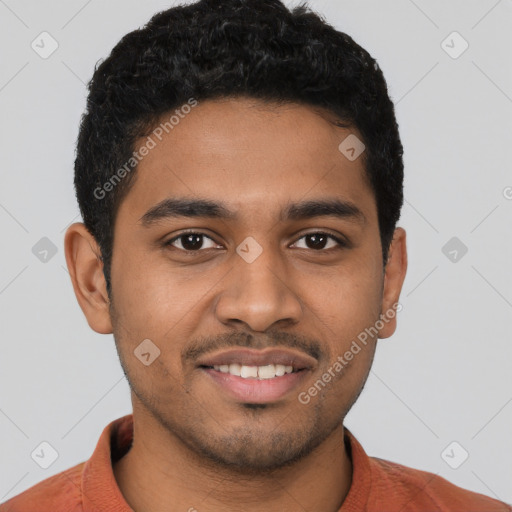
(191, 242)
(195, 241)
(319, 241)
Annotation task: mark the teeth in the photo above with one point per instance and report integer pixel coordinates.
(249, 371)
(262, 372)
(234, 369)
(267, 372)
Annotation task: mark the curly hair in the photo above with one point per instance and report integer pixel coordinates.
(233, 48)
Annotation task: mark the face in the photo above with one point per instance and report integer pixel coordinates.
(249, 246)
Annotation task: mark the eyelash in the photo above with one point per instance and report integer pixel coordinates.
(342, 243)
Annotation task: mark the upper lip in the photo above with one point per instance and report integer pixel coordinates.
(249, 357)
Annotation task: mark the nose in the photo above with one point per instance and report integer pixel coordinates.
(258, 294)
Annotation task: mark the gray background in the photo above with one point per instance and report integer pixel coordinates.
(444, 376)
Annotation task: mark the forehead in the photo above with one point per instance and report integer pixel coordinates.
(253, 156)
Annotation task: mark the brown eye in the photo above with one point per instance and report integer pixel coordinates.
(192, 242)
(318, 241)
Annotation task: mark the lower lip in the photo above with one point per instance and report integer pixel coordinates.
(256, 391)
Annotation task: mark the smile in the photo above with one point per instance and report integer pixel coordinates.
(268, 371)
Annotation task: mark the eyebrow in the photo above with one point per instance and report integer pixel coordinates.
(205, 208)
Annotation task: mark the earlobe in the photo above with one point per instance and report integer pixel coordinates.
(394, 277)
(86, 270)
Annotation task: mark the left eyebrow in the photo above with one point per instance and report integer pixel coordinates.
(204, 208)
(324, 208)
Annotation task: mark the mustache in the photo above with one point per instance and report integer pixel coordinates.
(258, 341)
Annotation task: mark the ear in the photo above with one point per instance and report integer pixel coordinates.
(396, 269)
(86, 270)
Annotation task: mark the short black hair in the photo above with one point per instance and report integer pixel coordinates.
(215, 49)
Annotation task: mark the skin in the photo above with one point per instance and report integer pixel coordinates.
(198, 447)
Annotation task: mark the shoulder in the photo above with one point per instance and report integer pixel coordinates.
(58, 493)
(420, 490)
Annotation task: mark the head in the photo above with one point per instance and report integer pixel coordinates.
(239, 173)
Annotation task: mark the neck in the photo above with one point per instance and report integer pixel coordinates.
(158, 460)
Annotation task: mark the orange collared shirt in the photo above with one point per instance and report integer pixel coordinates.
(377, 485)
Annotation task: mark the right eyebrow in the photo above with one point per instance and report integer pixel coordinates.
(183, 207)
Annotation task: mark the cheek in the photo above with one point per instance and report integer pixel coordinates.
(155, 302)
(346, 298)
(149, 310)
(346, 305)
(147, 292)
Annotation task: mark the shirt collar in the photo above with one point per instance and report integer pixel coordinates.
(100, 491)
(99, 487)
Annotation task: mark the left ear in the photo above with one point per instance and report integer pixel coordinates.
(396, 269)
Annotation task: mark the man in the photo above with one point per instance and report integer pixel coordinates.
(239, 173)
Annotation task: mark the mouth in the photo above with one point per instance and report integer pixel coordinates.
(257, 377)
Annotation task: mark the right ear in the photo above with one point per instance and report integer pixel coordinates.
(83, 258)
